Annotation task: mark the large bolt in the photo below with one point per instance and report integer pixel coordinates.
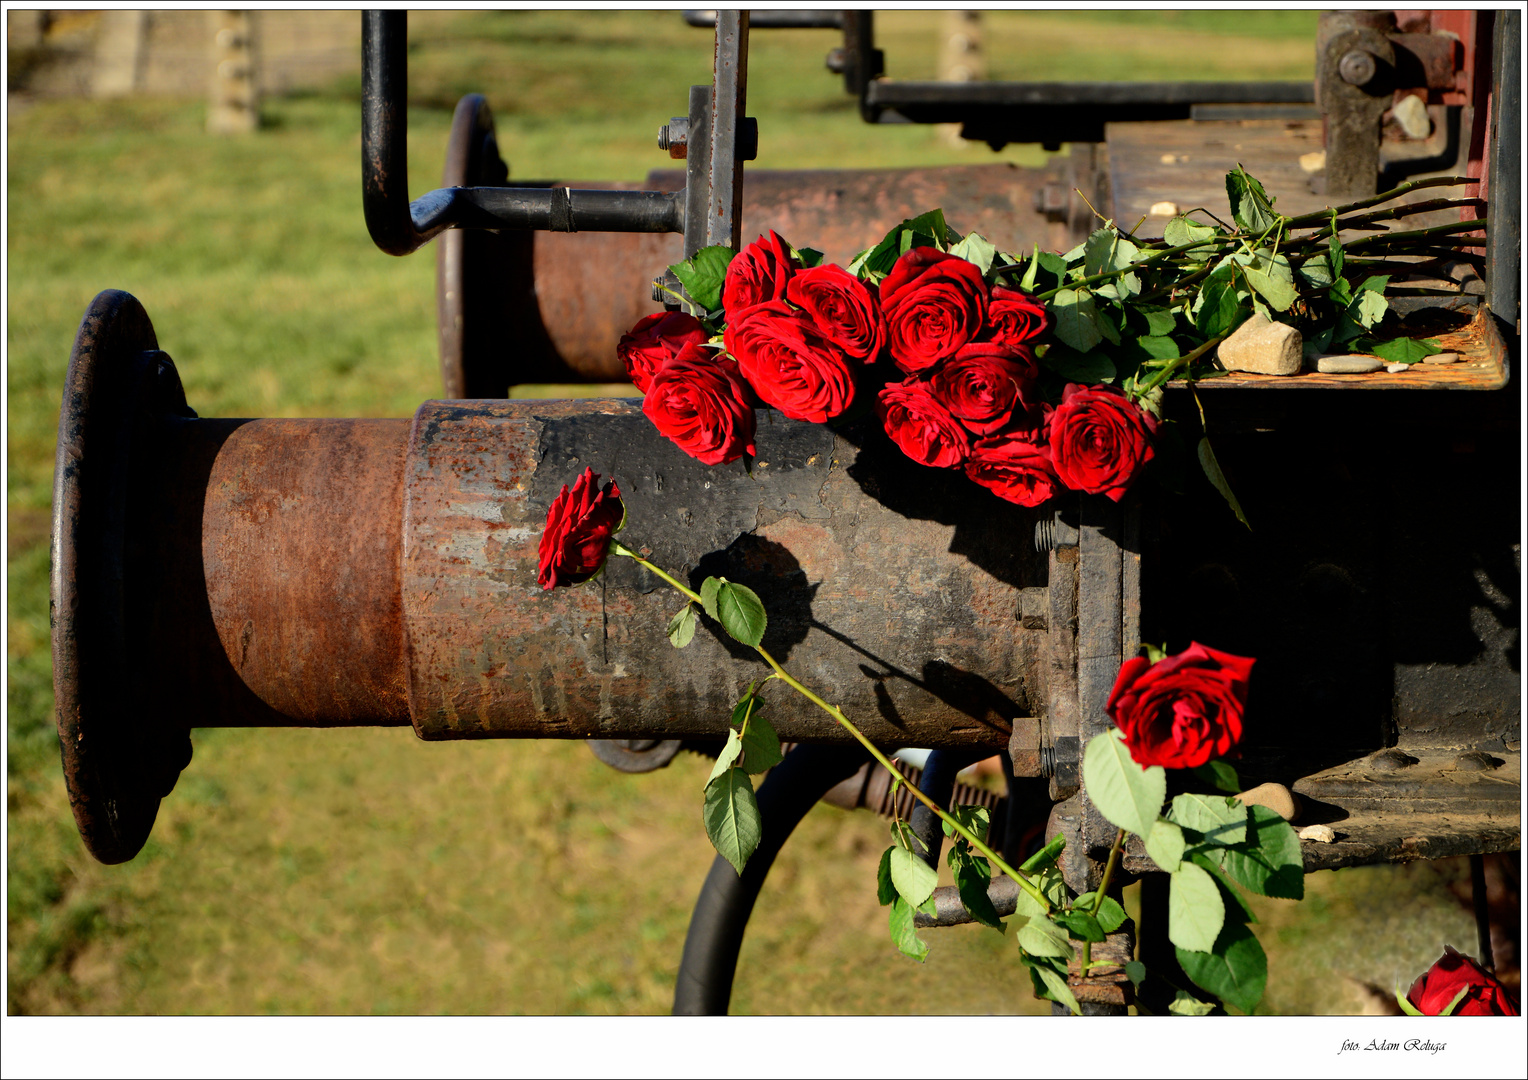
(836, 61)
(674, 137)
(1357, 67)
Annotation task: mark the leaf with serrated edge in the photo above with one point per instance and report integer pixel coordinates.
(1195, 911)
(1076, 319)
(1041, 937)
(725, 759)
(1060, 992)
(885, 890)
(1186, 1004)
(681, 628)
(708, 590)
(904, 932)
(1236, 972)
(1211, 467)
(732, 817)
(972, 876)
(1183, 230)
(1222, 821)
(976, 249)
(1082, 925)
(914, 878)
(1219, 774)
(1406, 350)
(704, 273)
(810, 257)
(1110, 915)
(761, 746)
(1135, 971)
(741, 613)
(1128, 795)
(1164, 843)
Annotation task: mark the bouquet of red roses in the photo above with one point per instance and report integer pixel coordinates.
(927, 327)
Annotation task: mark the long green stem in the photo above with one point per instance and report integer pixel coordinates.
(617, 548)
(1099, 894)
(1318, 216)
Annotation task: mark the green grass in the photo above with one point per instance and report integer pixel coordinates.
(298, 871)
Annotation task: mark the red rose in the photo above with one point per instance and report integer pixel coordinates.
(700, 401)
(653, 340)
(789, 364)
(1436, 989)
(579, 527)
(982, 384)
(922, 427)
(1013, 467)
(1099, 440)
(845, 311)
(1183, 710)
(1014, 317)
(934, 303)
(758, 273)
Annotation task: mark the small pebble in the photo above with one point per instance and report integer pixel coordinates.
(1164, 209)
(1313, 162)
(1411, 115)
(1441, 358)
(1172, 159)
(1356, 364)
(1275, 797)
(1396, 369)
(1321, 834)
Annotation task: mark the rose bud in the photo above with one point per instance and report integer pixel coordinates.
(653, 340)
(758, 273)
(699, 400)
(1015, 317)
(922, 427)
(1013, 467)
(579, 527)
(982, 384)
(1183, 710)
(1099, 440)
(789, 364)
(933, 303)
(842, 307)
(1437, 987)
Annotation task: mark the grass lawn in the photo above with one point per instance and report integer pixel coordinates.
(300, 871)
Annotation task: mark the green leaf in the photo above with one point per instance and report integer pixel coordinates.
(708, 590)
(976, 249)
(726, 758)
(1045, 857)
(975, 819)
(1237, 908)
(1135, 971)
(914, 878)
(885, 889)
(681, 628)
(1236, 972)
(761, 746)
(1251, 207)
(704, 273)
(1088, 369)
(1221, 820)
(1076, 319)
(1195, 911)
(1160, 321)
(1126, 794)
(809, 258)
(1406, 1006)
(1220, 308)
(1158, 348)
(1055, 985)
(904, 933)
(1219, 774)
(1315, 272)
(1110, 915)
(1368, 308)
(1083, 925)
(1186, 1004)
(1053, 264)
(1164, 843)
(741, 613)
(732, 817)
(1041, 937)
(1270, 861)
(972, 876)
(1183, 230)
(1051, 885)
(1272, 278)
(1211, 469)
(1375, 283)
(1406, 350)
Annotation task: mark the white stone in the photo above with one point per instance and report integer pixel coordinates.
(1411, 114)
(1321, 834)
(1264, 347)
(1441, 358)
(1164, 209)
(1356, 364)
(1275, 797)
(1313, 162)
(1396, 369)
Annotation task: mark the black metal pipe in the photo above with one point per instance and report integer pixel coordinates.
(549, 209)
(793, 787)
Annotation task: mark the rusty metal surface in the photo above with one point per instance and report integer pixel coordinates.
(557, 318)
(301, 545)
(905, 605)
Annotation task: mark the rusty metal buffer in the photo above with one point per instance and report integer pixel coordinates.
(382, 572)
